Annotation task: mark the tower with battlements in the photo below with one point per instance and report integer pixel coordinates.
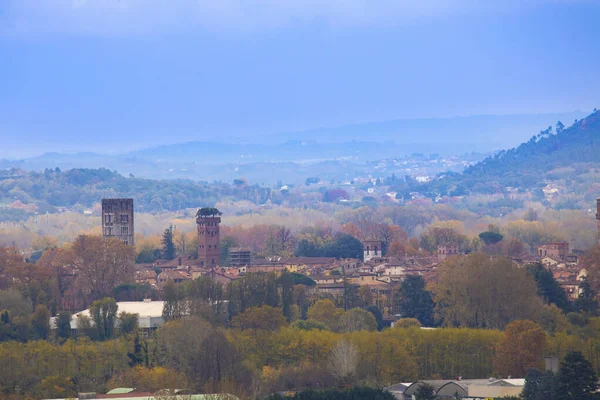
(209, 242)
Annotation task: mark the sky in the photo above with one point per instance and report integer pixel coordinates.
(113, 75)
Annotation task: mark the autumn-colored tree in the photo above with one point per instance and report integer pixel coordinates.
(522, 348)
(259, 318)
(357, 319)
(102, 264)
(480, 291)
(326, 312)
(150, 379)
(40, 322)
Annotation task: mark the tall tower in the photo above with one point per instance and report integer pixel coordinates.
(117, 219)
(209, 242)
(372, 248)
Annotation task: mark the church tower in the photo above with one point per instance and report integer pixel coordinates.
(209, 242)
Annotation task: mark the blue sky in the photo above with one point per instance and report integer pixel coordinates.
(110, 75)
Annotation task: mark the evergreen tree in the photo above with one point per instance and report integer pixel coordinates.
(136, 357)
(539, 385)
(414, 301)
(576, 378)
(378, 316)
(168, 246)
(548, 288)
(586, 302)
(425, 392)
(63, 325)
(287, 287)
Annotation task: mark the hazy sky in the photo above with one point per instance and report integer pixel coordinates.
(87, 74)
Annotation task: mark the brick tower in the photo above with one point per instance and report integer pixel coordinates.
(209, 243)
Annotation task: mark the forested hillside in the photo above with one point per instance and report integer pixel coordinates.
(28, 192)
(555, 154)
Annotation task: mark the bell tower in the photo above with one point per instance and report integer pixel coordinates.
(209, 242)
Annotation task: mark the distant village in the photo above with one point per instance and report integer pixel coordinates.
(382, 275)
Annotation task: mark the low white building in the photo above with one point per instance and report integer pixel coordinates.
(149, 313)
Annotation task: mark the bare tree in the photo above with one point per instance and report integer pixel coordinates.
(343, 359)
(284, 237)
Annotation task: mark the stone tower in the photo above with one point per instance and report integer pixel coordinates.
(209, 242)
(117, 219)
(372, 248)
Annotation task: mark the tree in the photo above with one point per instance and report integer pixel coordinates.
(357, 319)
(377, 314)
(425, 392)
(548, 288)
(469, 287)
(490, 238)
(415, 301)
(586, 301)
(344, 246)
(205, 212)
(521, 348)
(539, 385)
(559, 127)
(325, 311)
(287, 286)
(259, 318)
(173, 306)
(104, 314)
(309, 324)
(343, 360)
(40, 322)
(169, 251)
(576, 378)
(128, 323)
(63, 325)
(103, 264)
(12, 300)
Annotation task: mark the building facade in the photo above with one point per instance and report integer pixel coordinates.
(557, 250)
(239, 256)
(209, 242)
(117, 220)
(371, 249)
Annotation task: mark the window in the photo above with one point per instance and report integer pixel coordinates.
(108, 231)
(126, 241)
(108, 218)
(124, 218)
(124, 230)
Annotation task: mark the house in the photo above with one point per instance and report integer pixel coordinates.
(176, 276)
(326, 279)
(146, 277)
(555, 250)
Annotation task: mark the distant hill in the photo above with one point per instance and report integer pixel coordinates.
(23, 192)
(562, 154)
(455, 135)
